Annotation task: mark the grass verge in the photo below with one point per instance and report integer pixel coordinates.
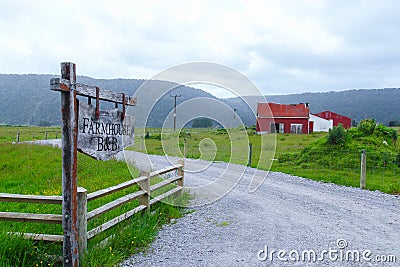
(32, 169)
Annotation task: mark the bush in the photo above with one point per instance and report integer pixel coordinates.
(387, 133)
(337, 135)
(367, 127)
(153, 136)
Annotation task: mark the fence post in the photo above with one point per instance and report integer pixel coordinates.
(82, 221)
(145, 185)
(184, 148)
(18, 137)
(69, 167)
(181, 172)
(250, 154)
(363, 169)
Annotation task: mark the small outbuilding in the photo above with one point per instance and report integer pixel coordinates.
(295, 118)
(337, 118)
(282, 118)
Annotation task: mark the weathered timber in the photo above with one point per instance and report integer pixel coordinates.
(363, 174)
(165, 170)
(115, 188)
(165, 182)
(30, 217)
(59, 84)
(69, 126)
(145, 185)
(114, 221)
(167, 194)
(102, 134)
(181, 172)
(30, 198)
(82, 220)
(40, 237)
(114, 204)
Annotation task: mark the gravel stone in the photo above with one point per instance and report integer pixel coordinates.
(285, 213)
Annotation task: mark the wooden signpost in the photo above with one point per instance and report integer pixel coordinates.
(100, 134)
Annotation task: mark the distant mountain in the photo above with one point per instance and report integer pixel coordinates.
(27, 100)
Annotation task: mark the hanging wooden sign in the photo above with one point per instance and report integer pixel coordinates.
(104, 136)
(100, 134)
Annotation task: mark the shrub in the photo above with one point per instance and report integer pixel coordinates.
(367, 127)
(387, 133)
(337, 135)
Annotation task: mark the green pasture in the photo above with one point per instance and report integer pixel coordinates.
(36, 170)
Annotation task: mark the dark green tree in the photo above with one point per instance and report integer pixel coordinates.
(202, 122)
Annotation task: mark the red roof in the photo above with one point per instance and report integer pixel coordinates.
(331, 115)
(282, 110)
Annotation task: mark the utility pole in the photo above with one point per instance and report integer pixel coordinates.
(234, 116)
(175, 96)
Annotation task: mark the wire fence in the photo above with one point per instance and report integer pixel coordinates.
(337, 166)
(22, 134)
(341, 167)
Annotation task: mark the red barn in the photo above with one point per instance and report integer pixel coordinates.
(337, 118)
(281, 118)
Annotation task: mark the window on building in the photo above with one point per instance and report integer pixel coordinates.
(296, 128)
(277, 128)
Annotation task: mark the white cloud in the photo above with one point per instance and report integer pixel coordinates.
(284, 45)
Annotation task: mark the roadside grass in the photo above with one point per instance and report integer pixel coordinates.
(36, 170)
(336, 165)
(8, 134)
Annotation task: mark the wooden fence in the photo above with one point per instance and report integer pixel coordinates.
(143, 195)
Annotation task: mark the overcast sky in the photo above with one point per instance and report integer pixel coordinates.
(282, 46)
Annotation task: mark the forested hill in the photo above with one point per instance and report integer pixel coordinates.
(381, 104)
(27, 100)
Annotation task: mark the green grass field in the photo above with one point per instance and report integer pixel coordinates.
(336, 166)
(36, 170)
(9, 134)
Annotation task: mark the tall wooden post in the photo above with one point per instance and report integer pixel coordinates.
(250, 154)
(145, 185)
(363, 176)
(82, 220)
(184, 148)
(181, 172)
(69, 167)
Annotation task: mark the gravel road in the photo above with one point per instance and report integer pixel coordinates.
(290, 214)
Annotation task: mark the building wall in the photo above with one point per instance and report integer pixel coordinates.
(320, 124)
(337, 118)
(263, 125)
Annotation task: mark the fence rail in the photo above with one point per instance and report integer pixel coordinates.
(144, 196)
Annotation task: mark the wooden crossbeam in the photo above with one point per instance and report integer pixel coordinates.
(114, 204)
(59, 84)
(115, 188)
(30, 217)
(40, 237)
(30, 198)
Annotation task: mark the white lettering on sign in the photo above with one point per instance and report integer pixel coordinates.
(105, 136)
